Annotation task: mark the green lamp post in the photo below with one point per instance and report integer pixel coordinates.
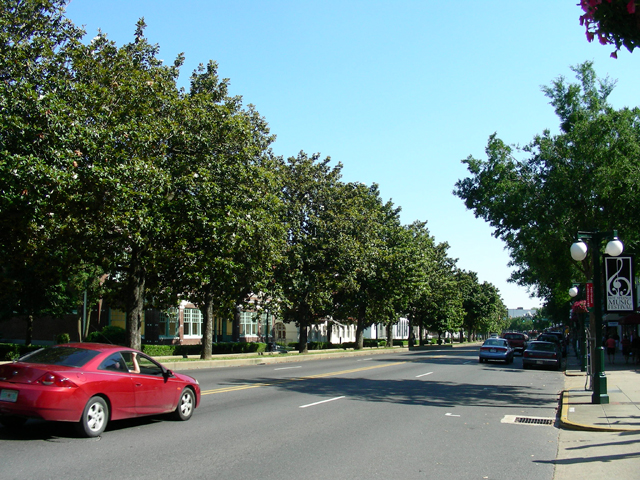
(579, 252)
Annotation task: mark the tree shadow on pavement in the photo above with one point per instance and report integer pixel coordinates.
(417, 392)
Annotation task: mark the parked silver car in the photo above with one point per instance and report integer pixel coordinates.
(496, 349)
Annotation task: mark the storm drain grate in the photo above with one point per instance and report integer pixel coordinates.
(528, 420)
(534, 421)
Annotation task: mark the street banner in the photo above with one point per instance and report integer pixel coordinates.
(619, 288)
(589, 295)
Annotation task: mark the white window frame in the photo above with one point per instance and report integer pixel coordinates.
(193, 318)
(250, 320)
(169, 320)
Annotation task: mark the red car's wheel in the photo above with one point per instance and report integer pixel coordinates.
(186, 405)
(94, 417)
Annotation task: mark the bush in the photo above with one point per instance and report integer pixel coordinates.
(159, 350)
(109, 334)
(62, 338)
(222, 348)
(13, 351)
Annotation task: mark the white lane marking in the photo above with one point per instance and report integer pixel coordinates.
(424, 375)
(287, 368)
(451, 415)
(364, 359)
(323, 401)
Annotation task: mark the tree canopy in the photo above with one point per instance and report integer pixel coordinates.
(581, 179)
(117, 182)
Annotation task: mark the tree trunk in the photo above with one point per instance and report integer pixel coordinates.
(302, 342)
(235, 326)
(80, 327)
(29, 334)
(329, 331)
(360, 334)
(390, 335)
(135, 300)
(410, 339)
(360, 326)
(207, 333)
(87, 323)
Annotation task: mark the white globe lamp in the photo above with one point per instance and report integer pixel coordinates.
(579, 251)
(614, 248)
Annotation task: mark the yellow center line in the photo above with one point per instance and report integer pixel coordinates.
(236, 388)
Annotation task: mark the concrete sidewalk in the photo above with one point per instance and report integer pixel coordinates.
(621, 414)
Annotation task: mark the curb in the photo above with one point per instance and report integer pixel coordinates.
(569, 425)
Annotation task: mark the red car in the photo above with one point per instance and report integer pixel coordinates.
(91, 384)
(518, 341)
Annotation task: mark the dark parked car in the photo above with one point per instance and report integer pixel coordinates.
(518, 341)
(91, 384)
(555, 337)
(542, 354)
(496, 349)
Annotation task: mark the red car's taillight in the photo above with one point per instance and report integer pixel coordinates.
(54, 379)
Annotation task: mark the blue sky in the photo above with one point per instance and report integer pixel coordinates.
(397, 91)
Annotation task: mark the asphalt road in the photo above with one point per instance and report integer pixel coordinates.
(412, 415)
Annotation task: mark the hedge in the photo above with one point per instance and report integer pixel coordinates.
(220, 348)
(109, 334)
(12, 351)
(367, 343)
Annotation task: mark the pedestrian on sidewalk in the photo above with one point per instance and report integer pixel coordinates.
(611, 349)
(635, 348)
(626, 348)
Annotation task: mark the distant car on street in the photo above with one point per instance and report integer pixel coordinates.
(496, 349)
(91, 384)
(542, 354)
(518, 341)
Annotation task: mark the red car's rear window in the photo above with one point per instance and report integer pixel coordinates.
(546, 347)
(67, 356)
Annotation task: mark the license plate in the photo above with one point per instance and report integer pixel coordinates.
(493, 350)
(8, 395)
(539, 362)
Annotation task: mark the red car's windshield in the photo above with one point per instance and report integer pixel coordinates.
(67, 356)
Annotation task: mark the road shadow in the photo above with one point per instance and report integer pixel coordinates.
(65, 432)
(425, 391)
